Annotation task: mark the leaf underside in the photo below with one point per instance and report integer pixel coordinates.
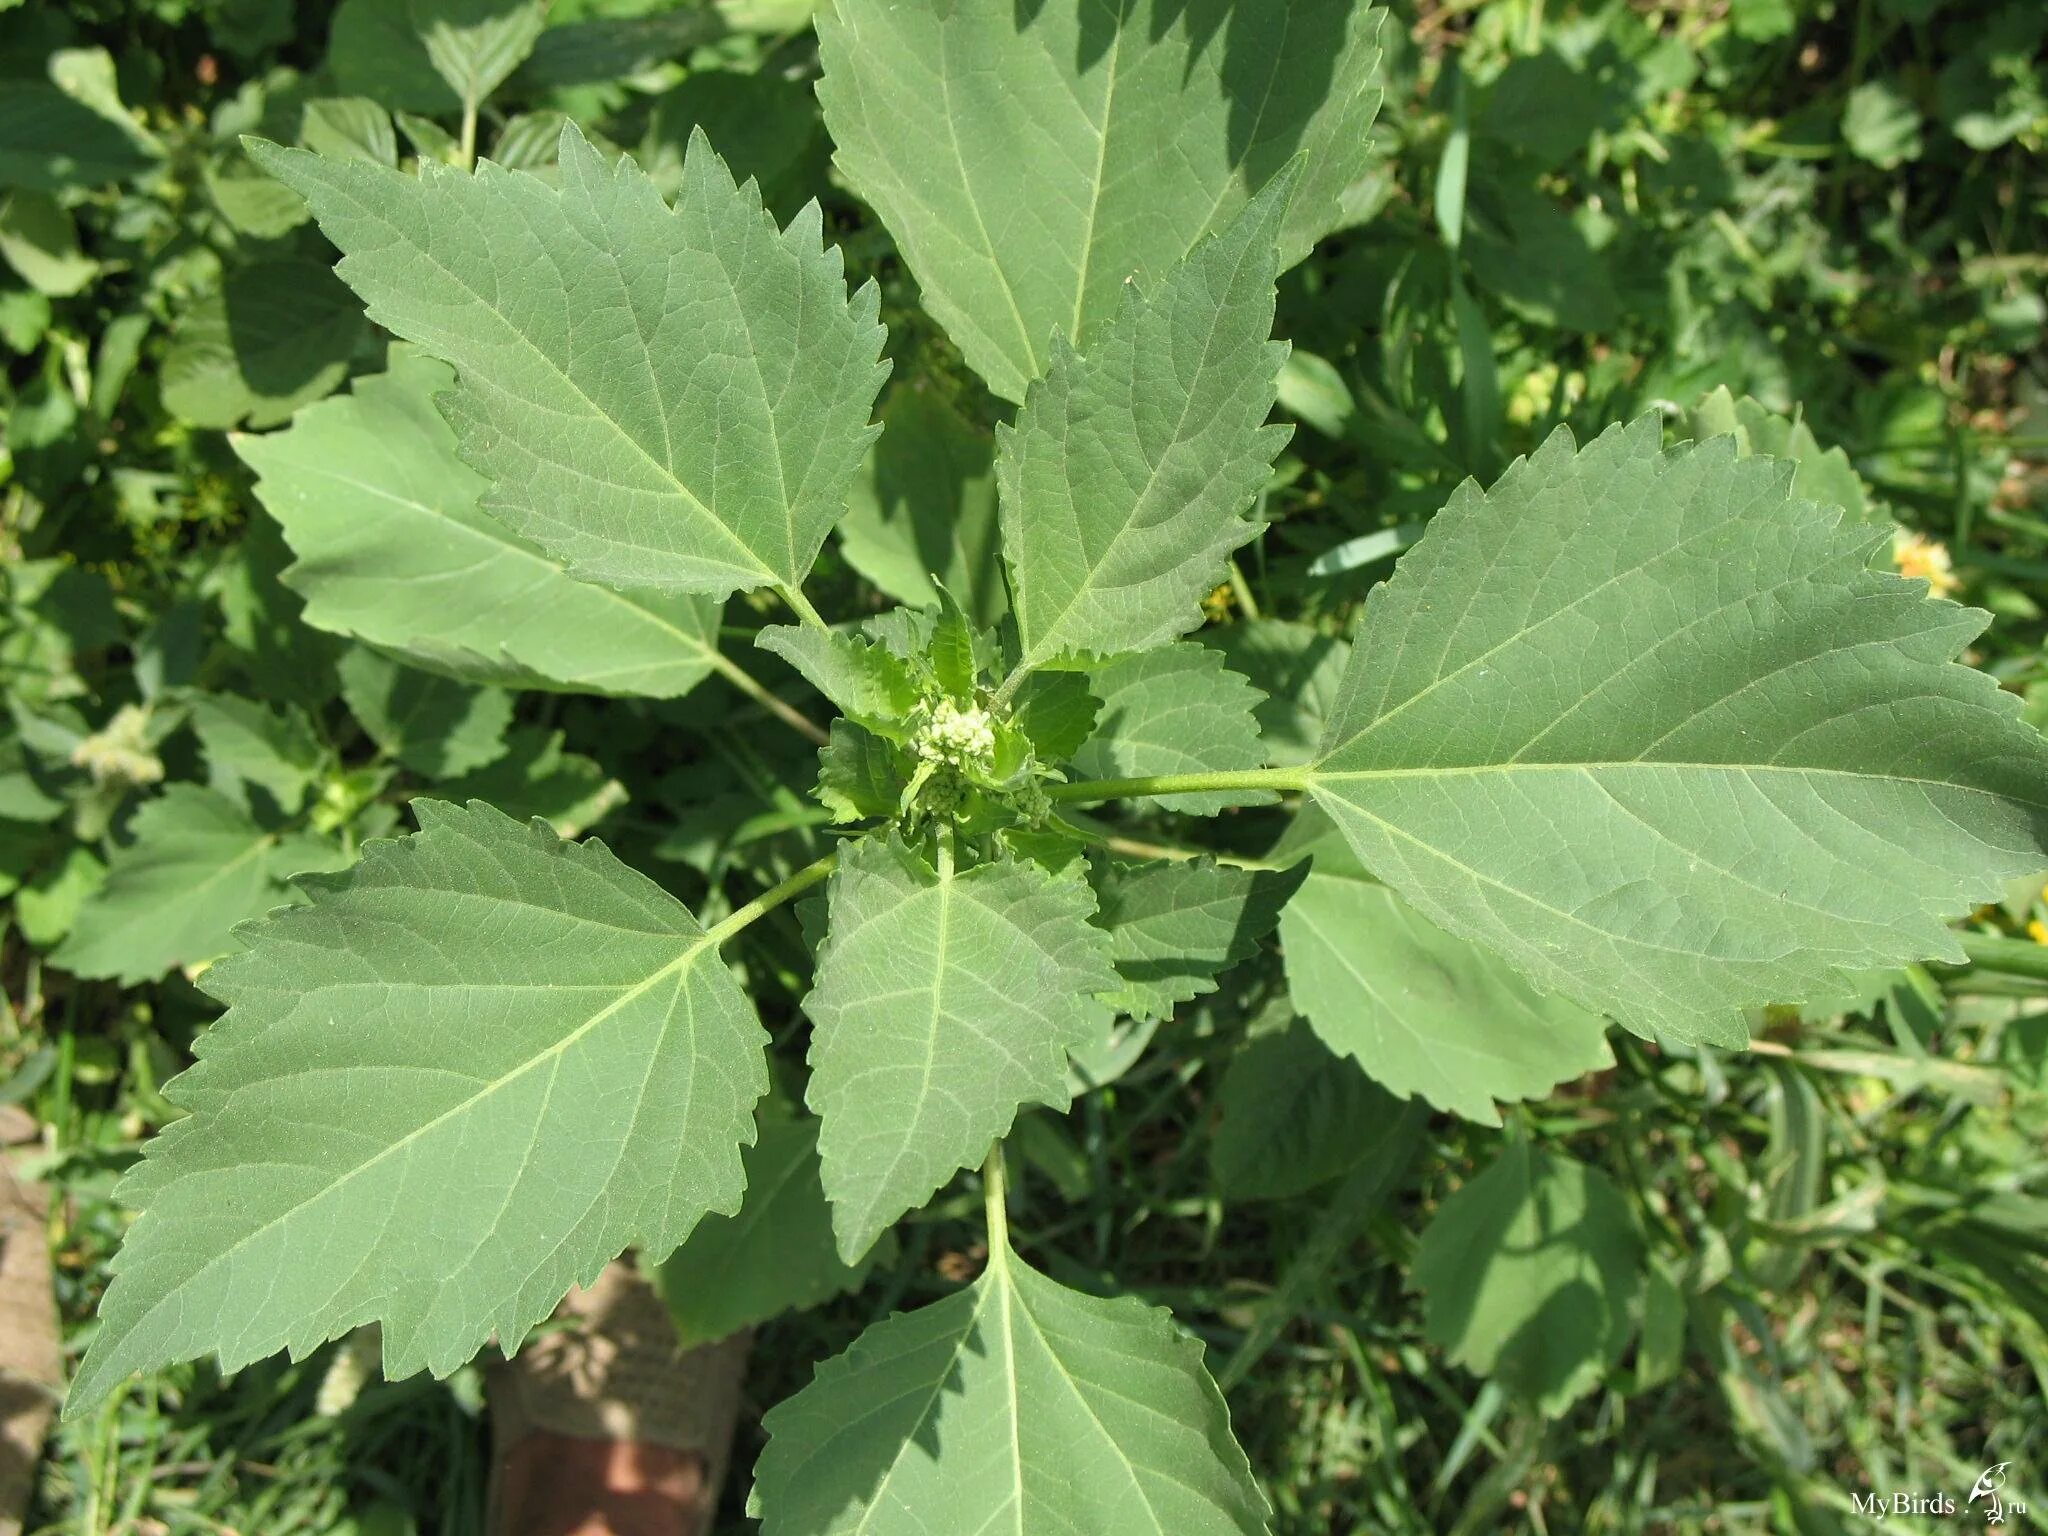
(942, 1004)
(1032, 160)
(1018, 1405)
(671, 398)
(1653, 729)
(478, 1066)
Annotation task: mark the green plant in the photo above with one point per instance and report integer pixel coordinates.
(1636, 733)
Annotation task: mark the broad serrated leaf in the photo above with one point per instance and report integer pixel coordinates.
(1823, 475)
(195, 866)
(432, 724)
(870, 683)
(277, 335)
(924, 506)
(1015, 1405)
(1125, 482)
(274, 749)
(1299, 670)
(1529, 1275)
(1031, 160)
(1174, 928)
(544, 1061)
(860, 774)
(394, 549)
(943, 1001)
(673, 398)
(1421, 1010)
(1174, 710)
(1057, 711)
(1685, 751)
(1291, 1116)
(774, 1256)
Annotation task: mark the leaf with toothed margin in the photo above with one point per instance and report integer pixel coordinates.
(1014, 1405)
(393, 548)
(870, 683)
(1178, 709)
(1651, 727)
(661, 398)
(473, 1070)
(1031, 160)
(944, 1000)
(1125, 482)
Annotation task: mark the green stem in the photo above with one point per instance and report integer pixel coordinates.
(1138, 848)
(1283, 779)
(468, 150)
(745, 681)
(773, 897)
(801, 607)
(995, 1199)
(2008, 957)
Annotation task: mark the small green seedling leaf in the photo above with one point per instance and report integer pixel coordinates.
(871, 684)
(1175, 928)
(196, 864)
(1171, 711)
(432, 724)
(1529, 1274)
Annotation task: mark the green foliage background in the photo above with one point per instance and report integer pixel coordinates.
(1577, 213)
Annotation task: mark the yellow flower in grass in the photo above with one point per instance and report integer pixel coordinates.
(1917, 555)
(2038, 931)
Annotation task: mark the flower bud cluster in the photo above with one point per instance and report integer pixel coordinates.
(958, 737)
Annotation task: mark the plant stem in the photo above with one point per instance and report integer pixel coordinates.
(801, 607)
(1137, 848)
(995, 1199)
(773, 897)
(1181, 784)
(790, 716)
(2008, 957)
(468, 149)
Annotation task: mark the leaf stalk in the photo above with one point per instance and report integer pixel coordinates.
(1285, 780)
(775, 896)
